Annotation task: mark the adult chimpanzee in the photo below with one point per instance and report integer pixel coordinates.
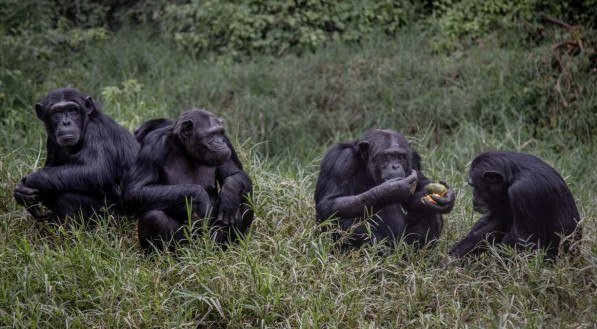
(525, 202)
(88, 155)
(188, 164)
(368, 185)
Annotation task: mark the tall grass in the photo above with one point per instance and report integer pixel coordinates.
(283, 114)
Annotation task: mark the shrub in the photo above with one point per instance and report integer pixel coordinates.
(474, 18)
(243, 27)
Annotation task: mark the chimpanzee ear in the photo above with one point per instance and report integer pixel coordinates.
(493, 176)
(364, 149)
(89, 106)
(39, 111)
(186, 128)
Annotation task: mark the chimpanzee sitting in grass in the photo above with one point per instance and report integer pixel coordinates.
(185, 172)
(373, 190)
(88, 155)
(525, 202)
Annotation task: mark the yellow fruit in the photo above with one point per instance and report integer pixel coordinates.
(437, 188)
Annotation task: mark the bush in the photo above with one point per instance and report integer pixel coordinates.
(244, 27)
(474, 18)
(34, 30)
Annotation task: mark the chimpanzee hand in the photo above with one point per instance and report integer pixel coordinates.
(228, 218)
(25, 196)
(29, 198)
(230, 201)
(444, 204)
(40, 212)
(398, 189)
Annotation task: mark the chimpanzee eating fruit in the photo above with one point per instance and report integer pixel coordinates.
(373, 190)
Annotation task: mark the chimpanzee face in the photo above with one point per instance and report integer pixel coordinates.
(65, 116)
(202, 134)
(387, 154)
(489, 190)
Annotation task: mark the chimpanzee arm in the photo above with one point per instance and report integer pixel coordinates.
(335, 187)
(92, 170)
(349, 206)
(488, 228)
(530, 209)
(143, 190)
(235, 185)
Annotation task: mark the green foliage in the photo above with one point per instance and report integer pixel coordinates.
(474, 18)
(31, 30)
(471, 19)
(17, 17)
(53, 42)
(127, 102)
(36, 16)
(244, 27)
(30, 16)
(574, 11)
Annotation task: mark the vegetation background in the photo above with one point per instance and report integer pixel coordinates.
(291, 78)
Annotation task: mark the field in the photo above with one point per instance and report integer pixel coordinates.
(283, 114)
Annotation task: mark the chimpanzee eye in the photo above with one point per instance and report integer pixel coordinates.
(385, 158)
(56, 115)
(73, 112)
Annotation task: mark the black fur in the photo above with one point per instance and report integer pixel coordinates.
(159, 195)
(525, 201)
(149, 126)
(348, 190)
(85, 173)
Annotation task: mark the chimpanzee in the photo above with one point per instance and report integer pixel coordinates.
(88, 155)
(188, 172)
(375, 189)
(526, 203)
(149, 126)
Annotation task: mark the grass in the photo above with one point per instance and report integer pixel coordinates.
(283, 114)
